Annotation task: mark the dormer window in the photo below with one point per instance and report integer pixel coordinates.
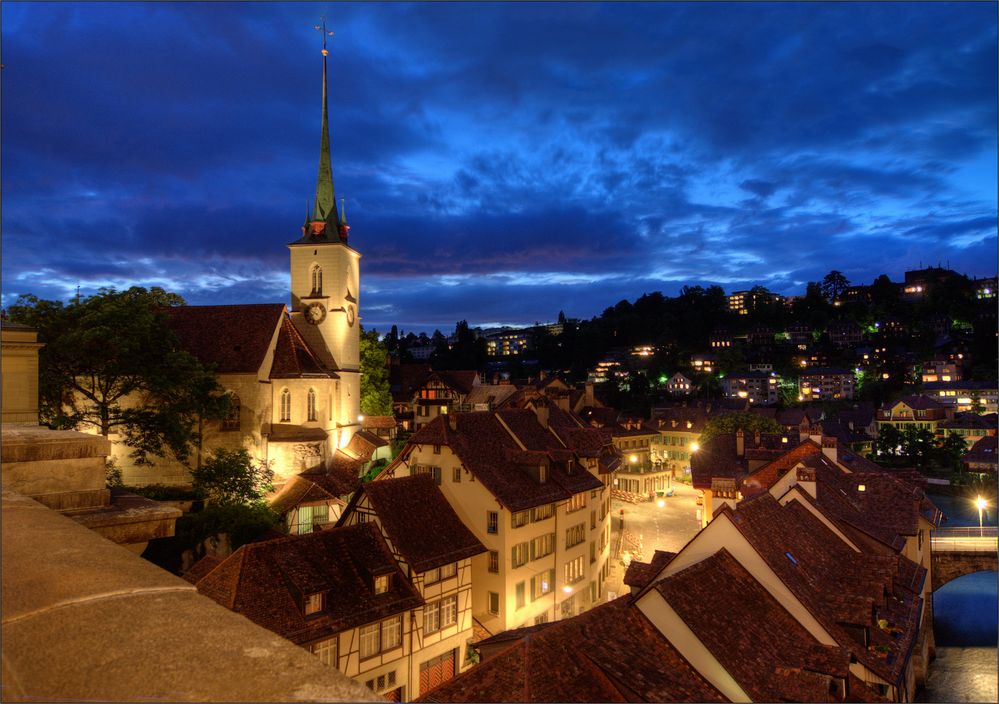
(313, 603)
(382, 583)
(542, 474)
(861, 487)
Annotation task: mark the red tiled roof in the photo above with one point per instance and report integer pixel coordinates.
(201, 568)
(485, 447)
(639, 574)
(610, 653)
(461, 380)
(420, 522)
(293, 358)
(378, 422)
(767, 475)
(983, 451)
(836, 584)
(750, 633)
(299, 490)
(229, 339)
(363, 444)
(917, 403)
(266, 581)
(339, 475)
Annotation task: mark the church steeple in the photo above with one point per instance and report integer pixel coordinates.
(325, 204)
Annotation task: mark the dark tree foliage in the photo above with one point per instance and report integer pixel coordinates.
(748, 423)
(230, 477)
(376, 400)
(110, 363)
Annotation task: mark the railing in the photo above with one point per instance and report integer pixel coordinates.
(985, 539)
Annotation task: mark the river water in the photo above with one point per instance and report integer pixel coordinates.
(966, 614)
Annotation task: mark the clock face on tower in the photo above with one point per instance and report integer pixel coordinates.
(315, 313)
(351, 316)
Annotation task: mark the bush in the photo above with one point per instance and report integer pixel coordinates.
(242, 522)
(112, 473)
(233, 477)
(160, 492)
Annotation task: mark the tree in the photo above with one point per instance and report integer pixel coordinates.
(375, 397)
(888, 444)
(951, 452)
(111, 363)
(834, 285)
(233, 477)
(918, 446)
(746, 422)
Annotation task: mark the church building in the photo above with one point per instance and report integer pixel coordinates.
(293, 373)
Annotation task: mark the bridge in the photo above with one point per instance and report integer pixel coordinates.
(961, 551)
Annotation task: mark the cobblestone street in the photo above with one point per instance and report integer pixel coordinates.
(649, 527)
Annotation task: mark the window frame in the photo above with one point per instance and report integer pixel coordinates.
(310, 407)
(285, 406)
(326, 650)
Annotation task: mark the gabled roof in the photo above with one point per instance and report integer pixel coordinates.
(299, 490)
(970, 421)
(293, 358)
(378, 422)
(761, 645)
(420, 522)
(718, 457)
(840, 587)
(266, 582)
(339, 475)
(489, 451)
(916, 403)
(229, 339)
(983, 451)
(461, 380)
(767, 475)
(493, 394)
(405, 379)
(363, 444)
(611, 653)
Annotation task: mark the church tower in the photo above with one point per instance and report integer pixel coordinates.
(325, 288)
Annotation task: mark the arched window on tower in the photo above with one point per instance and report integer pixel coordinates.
(285, 406)
(312, 404)
(231, 420)
(317, 280)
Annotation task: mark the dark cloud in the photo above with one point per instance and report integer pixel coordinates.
(498, 160)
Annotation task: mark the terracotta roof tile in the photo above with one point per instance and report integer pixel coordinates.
(420, 522)
(363, 444)
(293, 358)
(610, 653)
(639, 574)
(201, 568)
(229, 339)
(761, 645)
(266, 582)
(378, 422)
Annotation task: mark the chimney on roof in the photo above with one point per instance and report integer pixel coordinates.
(830, 447)
(805, 478)
(541, 411)
(740, 443)
(588, 393)
(452, 421)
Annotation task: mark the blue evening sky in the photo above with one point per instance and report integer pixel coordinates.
(500, 162)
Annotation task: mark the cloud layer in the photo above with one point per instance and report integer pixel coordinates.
(499, 162)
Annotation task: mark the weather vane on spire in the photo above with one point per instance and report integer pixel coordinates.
(322, 28)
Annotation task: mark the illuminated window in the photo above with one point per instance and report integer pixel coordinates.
(313, 603)
(492, 522)
(382, 583)
(312, 404)
(325, 650)
(380, 637)
(861, 487)
(285, 406)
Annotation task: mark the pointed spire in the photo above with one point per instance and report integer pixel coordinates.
(325, 203)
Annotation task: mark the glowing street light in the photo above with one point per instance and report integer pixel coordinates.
(981, 504)
(694, 446)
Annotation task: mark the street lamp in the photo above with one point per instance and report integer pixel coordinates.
(694, 447)
(981, 504)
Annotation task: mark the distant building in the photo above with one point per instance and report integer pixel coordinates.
(825, 384)
(679, 385)
(942, 370)
(703, 363)
(442, 392)
(966, 395)
(921, 412)
(759, 388)
(745, 302)
(982, 457)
